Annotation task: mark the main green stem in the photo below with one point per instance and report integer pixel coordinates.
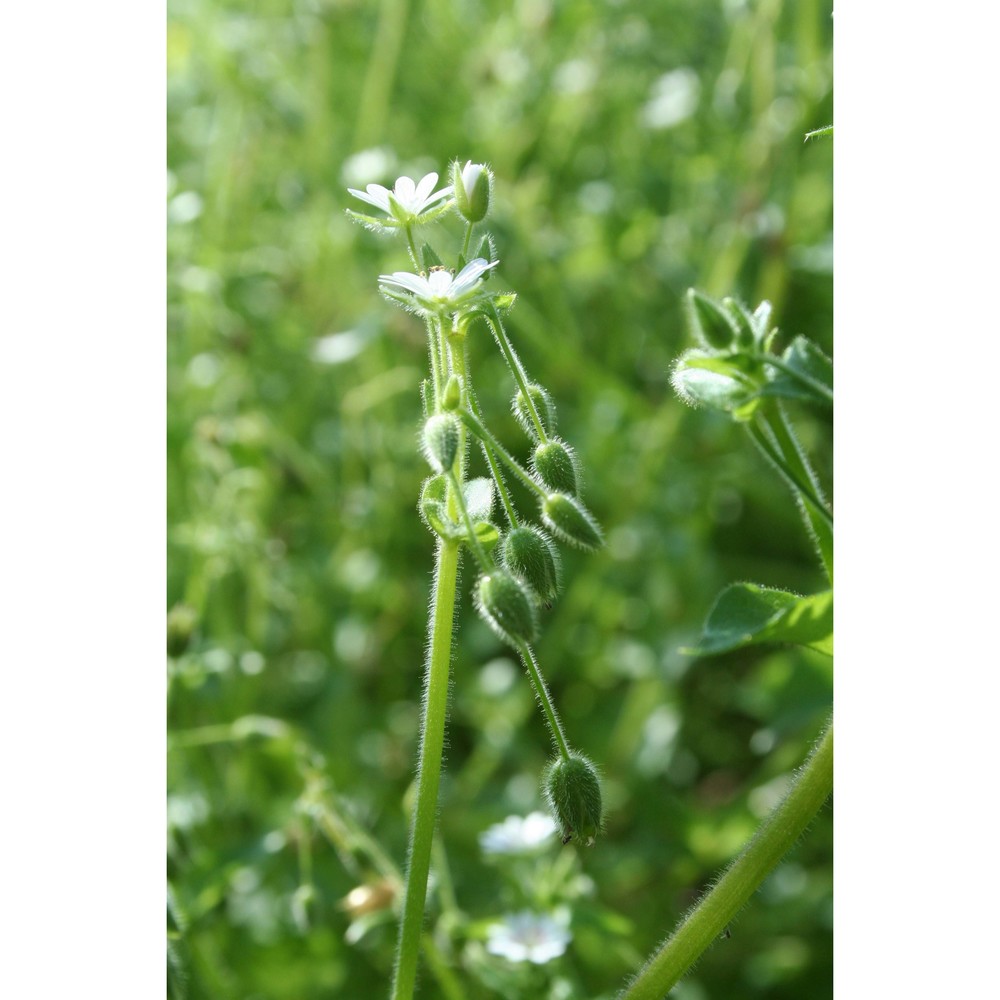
(429, 771)
(707, 921)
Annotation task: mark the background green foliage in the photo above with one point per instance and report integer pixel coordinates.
(639, 148)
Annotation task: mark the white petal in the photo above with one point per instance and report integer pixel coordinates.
(424, 188)
(404, 190)
(438, 195)
(379, 200)
(470, 274)
(439, 282)
(411, 282)
(471, 174)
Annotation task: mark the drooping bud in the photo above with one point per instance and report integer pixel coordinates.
(507, 607)
(573, 792)
(544, 407)
(555, 465)
(452, 398)
(709, 322)
(440, 441)
(530, 554)
(571, 522)
(473, 187)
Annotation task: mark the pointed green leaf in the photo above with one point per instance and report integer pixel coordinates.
(746, 614)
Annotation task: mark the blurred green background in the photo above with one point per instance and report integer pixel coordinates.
(639, 148)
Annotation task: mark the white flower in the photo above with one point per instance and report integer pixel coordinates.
(440, 292)
(407, 202)
(527, 937)
(517, 835)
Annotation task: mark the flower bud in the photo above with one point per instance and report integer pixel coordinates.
(571, 522)
(452, 398)
(743, 320)
(473, 186)
(573, 792)
(709, 322)
(529, 554)
(544, 407)
(507, 607)
(555, 465)
(440, 442)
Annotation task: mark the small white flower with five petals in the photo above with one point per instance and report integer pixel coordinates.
(408, 203)
(528, 937)
(440, 292)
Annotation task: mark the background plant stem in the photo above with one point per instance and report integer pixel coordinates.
(776, 836)
(429, 772)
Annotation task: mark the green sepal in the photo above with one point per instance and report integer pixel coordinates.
(708, 322)
(430, 257)
(506, 605)
(573, 792)
(571, 522)
(529, 553)
(504, 303)
(555, 464)
(747, 614)
(544, 407)
(487, 534)
(440, 441)
(434, 506)
(717, 381)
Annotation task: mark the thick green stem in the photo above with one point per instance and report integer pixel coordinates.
(708, 920)
(429, 768)
(468, 240)
(542, 693)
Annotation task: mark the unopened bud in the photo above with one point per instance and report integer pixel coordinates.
(573, 792)
(544, 407)
(452, 398)
(440, 442)
(507, 607)
(709, 322)
(555, 465)
(743, 320)
(529, 554)
(571, 522)
(473, 186)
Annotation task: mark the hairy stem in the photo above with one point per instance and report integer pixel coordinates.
(516, 368)
(484, 435)
(542, 693)
(707, 921)
(432, 727)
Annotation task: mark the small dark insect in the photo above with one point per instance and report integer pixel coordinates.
(726, 933)
(567, 838)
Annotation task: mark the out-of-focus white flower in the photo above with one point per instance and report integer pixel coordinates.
(517, 834)
(440, 292)
(528, 937)
(409, 201)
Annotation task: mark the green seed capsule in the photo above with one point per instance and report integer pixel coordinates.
(709, 322)
(571, 522)
(555, 465)
(440, 443)
(529, 554)
(573, 792)
(507, 607)
(544, 407)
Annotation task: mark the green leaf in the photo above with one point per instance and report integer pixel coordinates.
(806, 375)
(746, 614)
(487, 534)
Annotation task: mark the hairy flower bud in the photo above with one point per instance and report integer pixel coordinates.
(555, 465)
(473, 185)
(440, 441)
(709, 322)
(544, 407)
(507, 607)
(571, 522)
(529, 554)
(573, 792)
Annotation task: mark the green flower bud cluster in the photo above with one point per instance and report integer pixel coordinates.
(519, 570)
